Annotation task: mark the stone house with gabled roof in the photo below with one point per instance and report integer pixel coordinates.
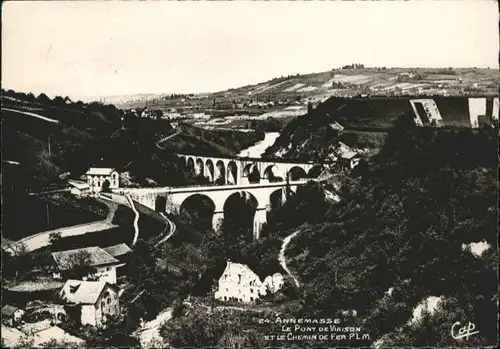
(91, 262)
(93, 302)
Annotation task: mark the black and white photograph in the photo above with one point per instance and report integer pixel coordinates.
(250, 174)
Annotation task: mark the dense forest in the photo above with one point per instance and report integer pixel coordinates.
(399, 235)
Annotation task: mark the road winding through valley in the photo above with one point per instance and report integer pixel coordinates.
(282, 258)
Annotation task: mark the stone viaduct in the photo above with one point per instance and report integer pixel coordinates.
(171, 199)
(239, 170)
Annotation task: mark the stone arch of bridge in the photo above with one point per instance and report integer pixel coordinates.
(190, 164)
(210, 170)
(220, 173)
(251, 173)
(200, 167)
(274, 173)
(232, 172)
(240, 210)
(199, 208)
(296, 173)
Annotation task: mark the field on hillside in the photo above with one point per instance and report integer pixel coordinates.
(349, 82)
(25, 215)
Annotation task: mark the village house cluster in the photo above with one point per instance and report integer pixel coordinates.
(90, 296)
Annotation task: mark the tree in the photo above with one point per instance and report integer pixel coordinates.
(58, 100)
(81, 265)
(13, 258)
(55, 237)
(42, 98)
(106, 186)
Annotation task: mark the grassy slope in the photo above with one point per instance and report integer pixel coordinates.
(61, 210)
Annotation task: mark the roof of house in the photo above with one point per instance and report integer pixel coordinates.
(348, 154)
(66, 260)
(79, 185)
(117, 250)
(100, 171)
(240, 269)
(82, 292)
(342, 145)
(336, 126)
(9, 310)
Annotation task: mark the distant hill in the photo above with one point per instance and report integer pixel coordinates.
(349, 82)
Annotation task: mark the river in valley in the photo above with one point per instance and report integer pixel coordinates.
(256, 150)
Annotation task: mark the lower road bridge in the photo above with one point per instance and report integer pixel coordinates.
(171, 199)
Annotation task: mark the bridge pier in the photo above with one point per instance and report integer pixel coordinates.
(217, 220)
(259, 219)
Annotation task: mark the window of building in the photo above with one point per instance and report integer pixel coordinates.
(251, 290)
(225, 298)
(251, 299)
(109, 300)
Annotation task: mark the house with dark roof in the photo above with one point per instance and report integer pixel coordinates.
(11, 315)
(91, 262)
(117, 251)
(96, 302)
(122, 253)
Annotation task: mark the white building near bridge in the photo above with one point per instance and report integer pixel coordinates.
(96, 176)
(240, 283)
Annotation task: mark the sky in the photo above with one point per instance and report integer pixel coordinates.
(86, 49)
